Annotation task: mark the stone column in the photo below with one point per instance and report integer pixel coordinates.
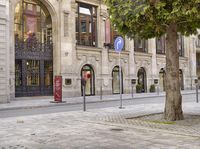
(154, 69)
(192, 61)
(104, 54)
(4, 52)
(132, 67)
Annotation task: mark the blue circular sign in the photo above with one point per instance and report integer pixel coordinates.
(119, 44)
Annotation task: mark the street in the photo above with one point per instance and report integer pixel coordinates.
(96, 105)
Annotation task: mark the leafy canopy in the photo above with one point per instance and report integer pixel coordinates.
(151, 18)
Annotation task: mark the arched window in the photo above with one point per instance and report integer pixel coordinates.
(33, 49)
(116, 81)
(162, 79)
(87, 73)
(142, 79)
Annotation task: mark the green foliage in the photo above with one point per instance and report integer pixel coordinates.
(161, 122)
(138, 88)
(152, 88)
(151, 18)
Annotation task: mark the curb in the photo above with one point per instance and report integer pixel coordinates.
(74, 103)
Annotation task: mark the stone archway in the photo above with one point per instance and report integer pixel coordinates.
(142, 79)
(162, 79)
(116, 81)
(33, 46)
(87, 72)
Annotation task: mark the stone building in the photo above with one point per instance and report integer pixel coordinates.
(40, 39)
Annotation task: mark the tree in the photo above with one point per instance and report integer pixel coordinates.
(154, 18)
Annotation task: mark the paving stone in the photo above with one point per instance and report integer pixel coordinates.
(94, 130)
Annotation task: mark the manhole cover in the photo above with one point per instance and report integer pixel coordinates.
(116, 129)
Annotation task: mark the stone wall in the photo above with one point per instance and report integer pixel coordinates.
(69, 59)
(4, 60)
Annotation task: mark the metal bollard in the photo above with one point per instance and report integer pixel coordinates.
(158, 90)
(83, 83)
(197, 96)
(101, 93)
(132, 91)
(84, 102)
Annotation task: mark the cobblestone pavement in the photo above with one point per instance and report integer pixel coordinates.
(98, 129)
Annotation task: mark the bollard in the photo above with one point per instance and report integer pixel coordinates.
(158, 90)
(83, 83)
(132, 91)
(197, 100)
(101, 93)
(84, 103)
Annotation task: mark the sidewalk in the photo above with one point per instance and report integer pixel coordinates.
(34, 102)
(107, 128)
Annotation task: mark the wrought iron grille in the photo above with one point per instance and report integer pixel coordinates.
(33, 49)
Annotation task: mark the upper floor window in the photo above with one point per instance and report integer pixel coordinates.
(141, 45)
(198, 41)
(86, 25)
(110, 34)
(181, 45)
(160, 45)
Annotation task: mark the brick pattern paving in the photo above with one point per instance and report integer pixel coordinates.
(185, 127)
(95, 129)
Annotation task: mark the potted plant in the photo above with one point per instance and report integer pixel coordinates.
(138, 88)
(152, 88)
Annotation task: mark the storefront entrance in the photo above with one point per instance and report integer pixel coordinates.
(116, 81)
(162, 79)
(87, 72)
(142, 79)
(181, 79)
(33, 49)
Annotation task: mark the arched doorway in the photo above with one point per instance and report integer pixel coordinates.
(162, 79)
(142, 79)
(116, 81)
(88, 73)
(33, 49)
(181, 79)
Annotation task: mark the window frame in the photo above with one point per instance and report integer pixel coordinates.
(162, 41)
(144, 45)
(92, 25)
(181, 45)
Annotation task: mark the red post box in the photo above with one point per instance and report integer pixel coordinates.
(58, 89)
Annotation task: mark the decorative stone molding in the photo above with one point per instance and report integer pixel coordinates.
(74, 5)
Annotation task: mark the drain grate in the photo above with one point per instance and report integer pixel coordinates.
(116, 129)
(14, 147)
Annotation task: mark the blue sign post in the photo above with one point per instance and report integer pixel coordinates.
(119, 44)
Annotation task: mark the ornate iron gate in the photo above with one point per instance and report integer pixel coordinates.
(33, 50)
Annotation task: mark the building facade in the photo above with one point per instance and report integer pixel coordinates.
(40, 39)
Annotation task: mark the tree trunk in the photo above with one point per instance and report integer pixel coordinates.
(173, 104)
